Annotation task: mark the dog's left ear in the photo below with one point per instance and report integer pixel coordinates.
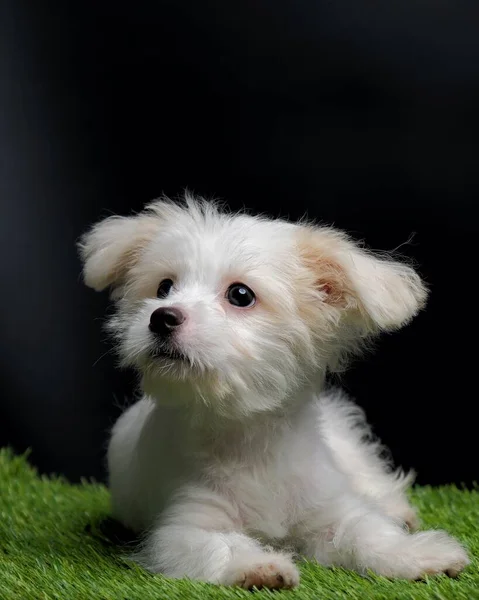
(112, 247)
(384, 292)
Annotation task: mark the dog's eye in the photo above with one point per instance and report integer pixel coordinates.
(240, 295)
(164, 288)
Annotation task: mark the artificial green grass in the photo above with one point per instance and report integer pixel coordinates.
(56, 542)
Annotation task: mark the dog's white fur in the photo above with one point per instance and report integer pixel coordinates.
(238, 455)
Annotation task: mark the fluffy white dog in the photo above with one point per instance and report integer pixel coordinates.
(237, 456)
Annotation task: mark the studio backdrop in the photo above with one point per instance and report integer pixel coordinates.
(362, 115)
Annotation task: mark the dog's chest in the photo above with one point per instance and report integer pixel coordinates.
(263, 487)
(264, 473)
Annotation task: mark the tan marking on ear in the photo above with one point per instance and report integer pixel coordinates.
(112, 247)
(131, 255)
(147, 228)
(383, 293)
(327, 275)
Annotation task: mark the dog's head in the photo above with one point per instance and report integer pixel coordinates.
(243, 310)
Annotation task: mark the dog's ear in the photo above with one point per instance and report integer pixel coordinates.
(384, 293)
(112, 247)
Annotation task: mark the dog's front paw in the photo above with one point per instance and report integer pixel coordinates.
(272, 571)
(440, 553)
(427, 553)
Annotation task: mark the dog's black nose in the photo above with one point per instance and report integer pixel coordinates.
(164, 320)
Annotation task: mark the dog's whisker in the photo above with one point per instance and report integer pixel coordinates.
(101, 357)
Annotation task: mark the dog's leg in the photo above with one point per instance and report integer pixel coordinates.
(358, 536)
(200, 537)
(360, 456)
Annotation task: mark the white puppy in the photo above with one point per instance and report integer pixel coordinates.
(237, 455)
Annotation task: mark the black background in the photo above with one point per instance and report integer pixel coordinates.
(363, 114)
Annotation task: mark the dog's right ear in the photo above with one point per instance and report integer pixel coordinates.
(112, 247)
